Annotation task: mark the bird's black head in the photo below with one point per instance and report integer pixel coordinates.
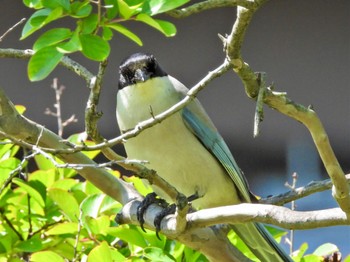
(138, 67)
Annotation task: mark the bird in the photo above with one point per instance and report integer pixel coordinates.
(185, 149)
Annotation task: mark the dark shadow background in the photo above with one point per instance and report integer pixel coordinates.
(303, 46)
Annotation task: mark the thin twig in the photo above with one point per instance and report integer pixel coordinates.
(11, 29)
(207, 5)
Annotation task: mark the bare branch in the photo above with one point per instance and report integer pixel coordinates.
(65, 61)
(11, 29)
(20, 128)
(280, 102)
(209, 4)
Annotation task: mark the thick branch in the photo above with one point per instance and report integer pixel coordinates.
(280, 102)
(17, 126)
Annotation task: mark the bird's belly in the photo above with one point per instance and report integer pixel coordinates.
(178, 156)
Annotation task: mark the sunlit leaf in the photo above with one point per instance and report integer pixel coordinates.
(167, 28)
(94, 47)
(45, 256)
(43, 62)
(51, 37)
(30, 190)
(101, 253)
(126, 32)
(161, 6)
(67, 203)
(64, 228)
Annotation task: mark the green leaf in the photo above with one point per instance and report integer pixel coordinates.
(80, 9)
(66, 202)
(65, 184)
(64, 228)
(101, 253)
(157, 254)
(31, 245)
(51, 37)
(161, 6)
(52, 4)
(107, 33)
(36, 4)
(89, 24)
(73, 45)
(112, 8)
(167, 28)
(129, 234)
(43, 163)
(45, 256)
(43, 62)
(126, 32)
(326, 249)
(29, 28)
(126, 11)
(30, 190)
(94, 47)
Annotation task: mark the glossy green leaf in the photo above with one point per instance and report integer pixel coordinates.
(129, 234)
(101, 253)
(80, 9)
(167, 28)
(107, 33)
(52, 4)
(126, 11)
(65, 184)
(31, 245)
(112, 8)
(7, 166)
(43, 62)
(51, 37)
(29, 28)
(95, 226)
(94, 47)
(73, 45)
(30, 190)
(67, 203)
(36, 4)
(161, 6)
(91, 205)
(43, 163)
(63, 228)
(126, 32)
(89, 24)
(45, 256)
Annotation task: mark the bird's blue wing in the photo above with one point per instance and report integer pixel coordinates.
(213, 141)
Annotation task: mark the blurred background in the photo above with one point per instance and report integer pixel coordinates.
(303, 46)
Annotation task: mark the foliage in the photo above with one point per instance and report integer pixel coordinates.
(49, 214)
(93, 29)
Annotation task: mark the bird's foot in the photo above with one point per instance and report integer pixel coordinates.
(167, 210)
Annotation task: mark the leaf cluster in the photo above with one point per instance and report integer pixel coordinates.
(96, 22)
(49, 214)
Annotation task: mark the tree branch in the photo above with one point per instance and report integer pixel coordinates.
(209, 4)
(20, 128)
(65, 61)
(284, 105)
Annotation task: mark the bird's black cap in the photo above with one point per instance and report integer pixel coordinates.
(138, 67)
